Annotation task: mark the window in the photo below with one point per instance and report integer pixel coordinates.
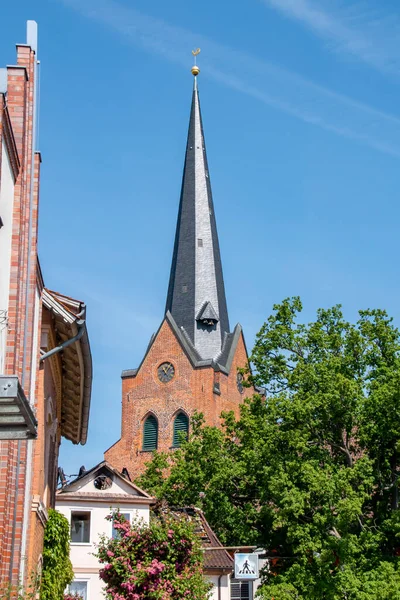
(115, 532)
(181, 423)
(150, 433)
(80, 527)
(79, 587)
(240, 590)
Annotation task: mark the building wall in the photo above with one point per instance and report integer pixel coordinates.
(20, 334)
(22, 501)
(190, 390)
(44, 459)
(27, 467)
(224, 584)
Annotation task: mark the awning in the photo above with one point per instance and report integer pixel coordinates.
(17, 420)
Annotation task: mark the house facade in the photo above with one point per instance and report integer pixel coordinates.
(87, 502)
(45, 359)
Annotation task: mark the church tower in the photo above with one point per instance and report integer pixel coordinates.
(191, 363)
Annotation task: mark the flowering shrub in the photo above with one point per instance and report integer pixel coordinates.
(72, 597)
(160, 561)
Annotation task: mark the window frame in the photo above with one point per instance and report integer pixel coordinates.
(81, 511)
(78, 580)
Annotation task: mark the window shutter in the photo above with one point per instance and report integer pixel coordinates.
(181, 423)
(150, 433)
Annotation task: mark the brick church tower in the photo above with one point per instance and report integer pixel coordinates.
(191, 363)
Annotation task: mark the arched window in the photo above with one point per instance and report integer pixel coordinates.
(150, 433)
(181, 423)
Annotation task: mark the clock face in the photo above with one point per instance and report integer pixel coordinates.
(166, 372)
(239, 382)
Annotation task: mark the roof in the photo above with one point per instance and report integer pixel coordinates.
(196, 277)
(74, 490)
(213, 559)
(70, 318)
(222, 362)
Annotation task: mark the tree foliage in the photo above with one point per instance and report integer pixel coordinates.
(57, 568)
(160, 561)
(310, 473)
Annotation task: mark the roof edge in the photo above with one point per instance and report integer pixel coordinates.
(237, 332)
(52, 303)
(107, 465)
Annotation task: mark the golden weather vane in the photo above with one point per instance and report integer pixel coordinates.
(195, 68)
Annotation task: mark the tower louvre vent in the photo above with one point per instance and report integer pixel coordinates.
(150, 433)
(181, 424)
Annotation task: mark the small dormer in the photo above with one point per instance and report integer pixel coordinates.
(207, 315)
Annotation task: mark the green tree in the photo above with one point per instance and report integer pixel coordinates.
(160, 561)
(57, 568)
(310, 472)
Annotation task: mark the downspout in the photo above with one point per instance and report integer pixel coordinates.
(219, 586)
(81, 330)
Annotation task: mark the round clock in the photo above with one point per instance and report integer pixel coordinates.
(239, 382)
(166, 372)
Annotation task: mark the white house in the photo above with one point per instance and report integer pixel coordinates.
(86, 502)
(95, 494)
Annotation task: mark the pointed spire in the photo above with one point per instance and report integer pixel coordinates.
(196, 293)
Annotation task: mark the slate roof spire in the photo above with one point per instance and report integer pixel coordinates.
(196, 294)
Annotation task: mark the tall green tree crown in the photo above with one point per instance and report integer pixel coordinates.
(309, 472)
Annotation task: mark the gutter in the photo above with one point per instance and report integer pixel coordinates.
(81, 324)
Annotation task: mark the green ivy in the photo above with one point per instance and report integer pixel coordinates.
(57, 568)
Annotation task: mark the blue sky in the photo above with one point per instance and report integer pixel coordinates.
(302, 125)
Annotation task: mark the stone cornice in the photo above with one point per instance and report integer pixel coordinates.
(66, 497)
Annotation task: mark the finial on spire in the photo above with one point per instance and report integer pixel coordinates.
(195, 69)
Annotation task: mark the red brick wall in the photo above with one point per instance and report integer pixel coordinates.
(40, 479)
(190, 390)
(13, 454)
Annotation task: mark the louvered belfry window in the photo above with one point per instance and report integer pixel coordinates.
(181, 423)
(150, 433)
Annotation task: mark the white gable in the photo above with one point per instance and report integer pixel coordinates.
(103, 481)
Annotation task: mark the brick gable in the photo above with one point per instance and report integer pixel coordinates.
(191, 389)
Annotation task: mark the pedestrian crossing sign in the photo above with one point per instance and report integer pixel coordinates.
(246, 566)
